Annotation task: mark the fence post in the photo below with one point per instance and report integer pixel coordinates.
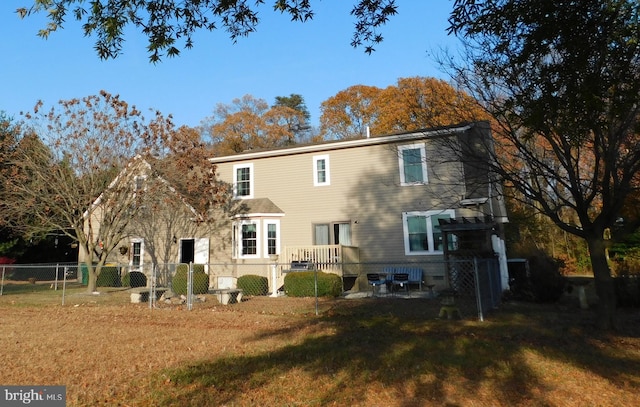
(190, 287)
(152, 293)
(55, 280)
(315, 283)
(274, 275)
(2, 284)
(478, 290)
(64, 282)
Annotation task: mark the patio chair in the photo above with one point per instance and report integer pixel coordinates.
(402, 280)
(374, 281)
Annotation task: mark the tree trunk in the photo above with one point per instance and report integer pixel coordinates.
(604, 284)
(92, 275)
(92, 279)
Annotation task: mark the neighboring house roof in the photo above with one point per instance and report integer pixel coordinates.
(342, 144)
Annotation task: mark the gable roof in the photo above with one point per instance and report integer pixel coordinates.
(344, 144)
(144, 166)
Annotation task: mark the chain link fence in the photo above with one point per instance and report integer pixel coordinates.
(30, 278)
(474, 283)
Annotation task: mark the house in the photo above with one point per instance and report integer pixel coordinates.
(356, 206)
(151, 221)
(349, 207)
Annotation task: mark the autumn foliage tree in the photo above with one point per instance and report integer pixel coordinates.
(412, 104)
(67, 175)
(251, 124)
(348, 114)
(561, 80)
(420, 103)
(179, 197)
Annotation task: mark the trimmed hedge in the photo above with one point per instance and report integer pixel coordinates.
(200, 279)
(628, 290)
(109, 277)
(253, 285)
(302, 284)
(134, 279)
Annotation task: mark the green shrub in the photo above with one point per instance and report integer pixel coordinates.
(253, 285)
(627, 286)
(302, 284)
(109, 277)
(200, 280)
(547, 283)
(134, 279)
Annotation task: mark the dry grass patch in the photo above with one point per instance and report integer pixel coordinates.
(277, 352)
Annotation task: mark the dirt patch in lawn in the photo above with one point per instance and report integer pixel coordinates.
(277, 352)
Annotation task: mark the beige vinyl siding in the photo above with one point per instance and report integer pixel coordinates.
(364, 188)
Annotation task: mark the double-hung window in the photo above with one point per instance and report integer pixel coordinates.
(249, 239)
(272, 237)
(321, 175)
(245, 239)
(422, 233)
(243, 181)
(136, 254)
(413, 164)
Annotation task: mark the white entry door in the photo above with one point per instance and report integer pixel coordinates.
(201, 252)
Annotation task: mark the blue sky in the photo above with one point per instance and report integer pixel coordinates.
(314, 59)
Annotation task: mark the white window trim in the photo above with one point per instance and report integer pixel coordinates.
(140, 266)
(423, 154)
(265, 236)
(316, 181)
(405, 231)
(238, 239)
(142, 179)
(251, 181)
(262, 235)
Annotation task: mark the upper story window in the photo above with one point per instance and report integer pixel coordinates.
(422, 233)
(321, 175)
(139, 187)
(413, 164)
(243, 181)
(139, 183)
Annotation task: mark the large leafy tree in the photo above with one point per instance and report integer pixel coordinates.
(298, 123)
(169, 24)
(411, 104)
(9, 144)
(179, 197)
(349, 113)
(561, 78)
(67, 173)
(249, 123)
(423, 102)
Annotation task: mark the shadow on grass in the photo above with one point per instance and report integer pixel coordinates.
(399, 348)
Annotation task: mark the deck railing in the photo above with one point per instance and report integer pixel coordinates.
(335, 258)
